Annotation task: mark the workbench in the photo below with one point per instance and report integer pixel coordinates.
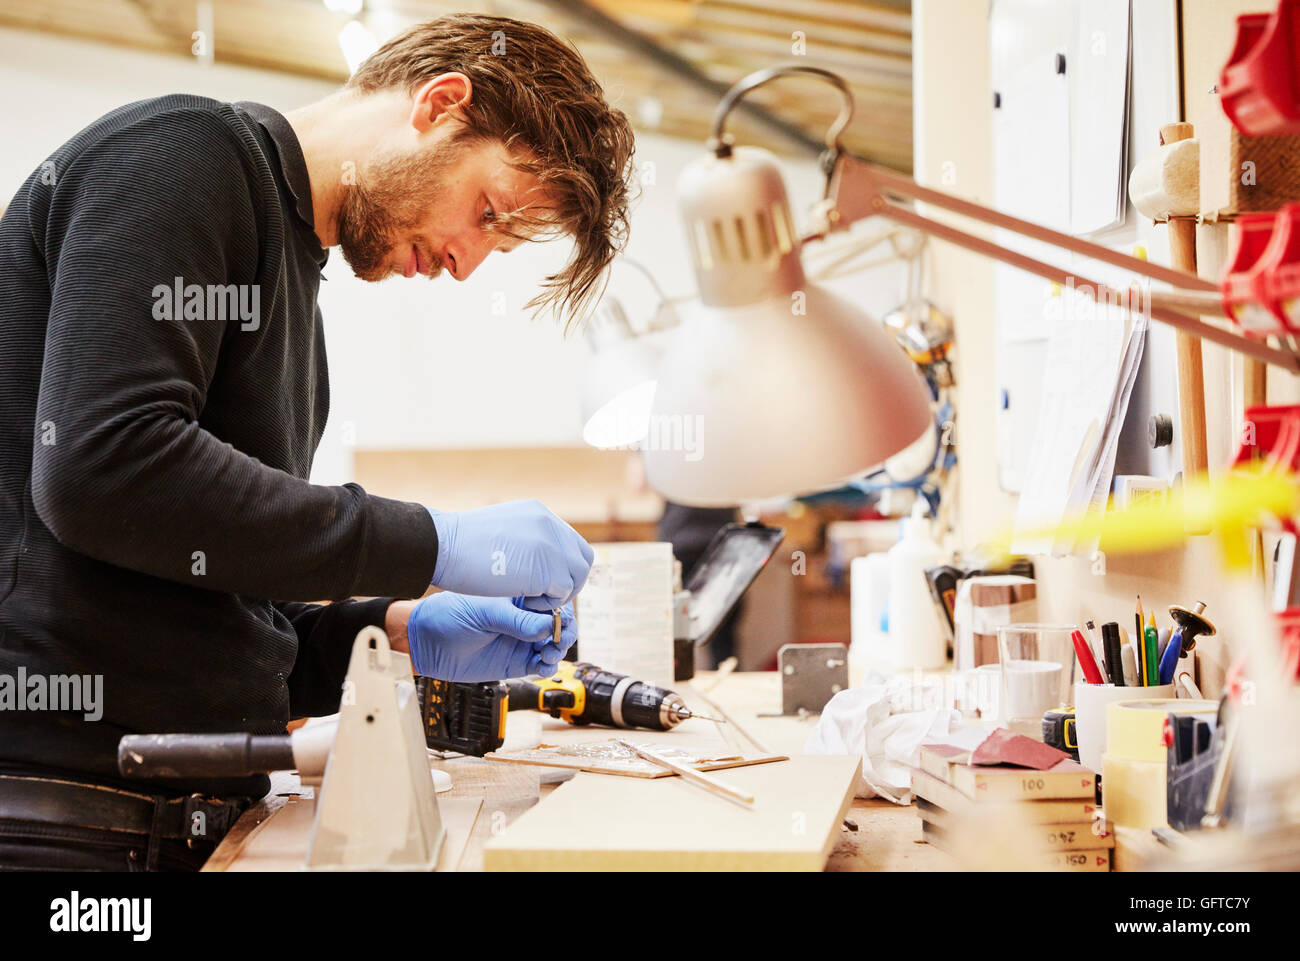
(486, 796)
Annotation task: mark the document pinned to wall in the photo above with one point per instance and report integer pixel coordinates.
(1063, 74)
(1091, 364)
(625, 611)
(1099, 111)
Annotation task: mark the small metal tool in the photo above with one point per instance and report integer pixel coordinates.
(556, 635)
(690, 774)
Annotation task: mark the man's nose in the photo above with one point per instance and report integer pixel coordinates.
(472, 251)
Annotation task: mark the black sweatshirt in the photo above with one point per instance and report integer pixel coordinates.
(157, 426)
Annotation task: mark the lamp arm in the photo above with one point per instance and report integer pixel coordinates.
(858, 189)
(720, 141)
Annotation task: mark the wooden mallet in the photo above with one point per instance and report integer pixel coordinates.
(1165, 186)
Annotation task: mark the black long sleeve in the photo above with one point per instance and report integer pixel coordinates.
(163, 389)
(326, 633)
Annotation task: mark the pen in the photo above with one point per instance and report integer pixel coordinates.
(1114, 660)
(1153, 659)
(1130, 666)
(1134, 651)
(1139, 619)
(1098, 648)
(1187, 684)
(1084, 653)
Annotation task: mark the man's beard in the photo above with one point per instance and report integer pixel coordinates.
(386, 205)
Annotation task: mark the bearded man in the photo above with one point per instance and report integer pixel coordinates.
(163, 389)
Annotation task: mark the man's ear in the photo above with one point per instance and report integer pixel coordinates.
(443, 97)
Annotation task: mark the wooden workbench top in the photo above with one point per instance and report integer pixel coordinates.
(486, 796)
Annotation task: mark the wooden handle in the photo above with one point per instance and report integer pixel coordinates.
(1191, 375)
(1174, 132)
(1256, 383)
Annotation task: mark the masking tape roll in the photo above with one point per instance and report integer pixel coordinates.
(1135, 729)
(1133, 792)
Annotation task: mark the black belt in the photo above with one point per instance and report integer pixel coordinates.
(192, 819)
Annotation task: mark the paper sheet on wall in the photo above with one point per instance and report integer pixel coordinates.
(1099, 106)
(625, 611)
(1091, 364)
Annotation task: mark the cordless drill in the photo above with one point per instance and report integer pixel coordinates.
(471, 718)
(582, 693)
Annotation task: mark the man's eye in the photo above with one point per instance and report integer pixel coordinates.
(489, 214)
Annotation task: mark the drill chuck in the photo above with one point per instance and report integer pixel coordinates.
(616, 700)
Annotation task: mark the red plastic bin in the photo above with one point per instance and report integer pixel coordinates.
(1259, 86)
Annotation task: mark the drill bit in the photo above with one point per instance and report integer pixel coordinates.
(680, 712)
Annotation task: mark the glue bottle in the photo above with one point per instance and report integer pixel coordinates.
(915, 634)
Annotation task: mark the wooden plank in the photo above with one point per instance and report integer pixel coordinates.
(624, 824)
(285, 790)
(277, 839)
(506, 791)
(888, 838)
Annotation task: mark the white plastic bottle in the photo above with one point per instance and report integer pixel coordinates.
(868, 606)
(915, 633)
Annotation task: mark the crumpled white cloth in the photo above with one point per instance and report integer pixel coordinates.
(885, 720)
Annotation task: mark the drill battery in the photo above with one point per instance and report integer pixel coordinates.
(462, 717)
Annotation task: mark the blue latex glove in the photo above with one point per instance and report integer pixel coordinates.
(457, 638)
(516, 549)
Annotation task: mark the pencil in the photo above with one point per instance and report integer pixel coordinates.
(1140, 634)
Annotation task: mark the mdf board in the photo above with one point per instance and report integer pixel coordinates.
(281, 842)
(601, 823)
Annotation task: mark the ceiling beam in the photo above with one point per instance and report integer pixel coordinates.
(679, 66)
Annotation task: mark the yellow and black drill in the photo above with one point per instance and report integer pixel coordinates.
(471, 718)
(583, 693)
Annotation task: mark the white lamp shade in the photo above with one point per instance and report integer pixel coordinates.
(756, 401)
(622, 418)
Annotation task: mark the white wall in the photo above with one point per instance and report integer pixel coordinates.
(412, 363)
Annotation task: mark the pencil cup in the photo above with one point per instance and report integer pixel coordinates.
(1090, 702)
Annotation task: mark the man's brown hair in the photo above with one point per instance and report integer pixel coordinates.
(532, 91)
